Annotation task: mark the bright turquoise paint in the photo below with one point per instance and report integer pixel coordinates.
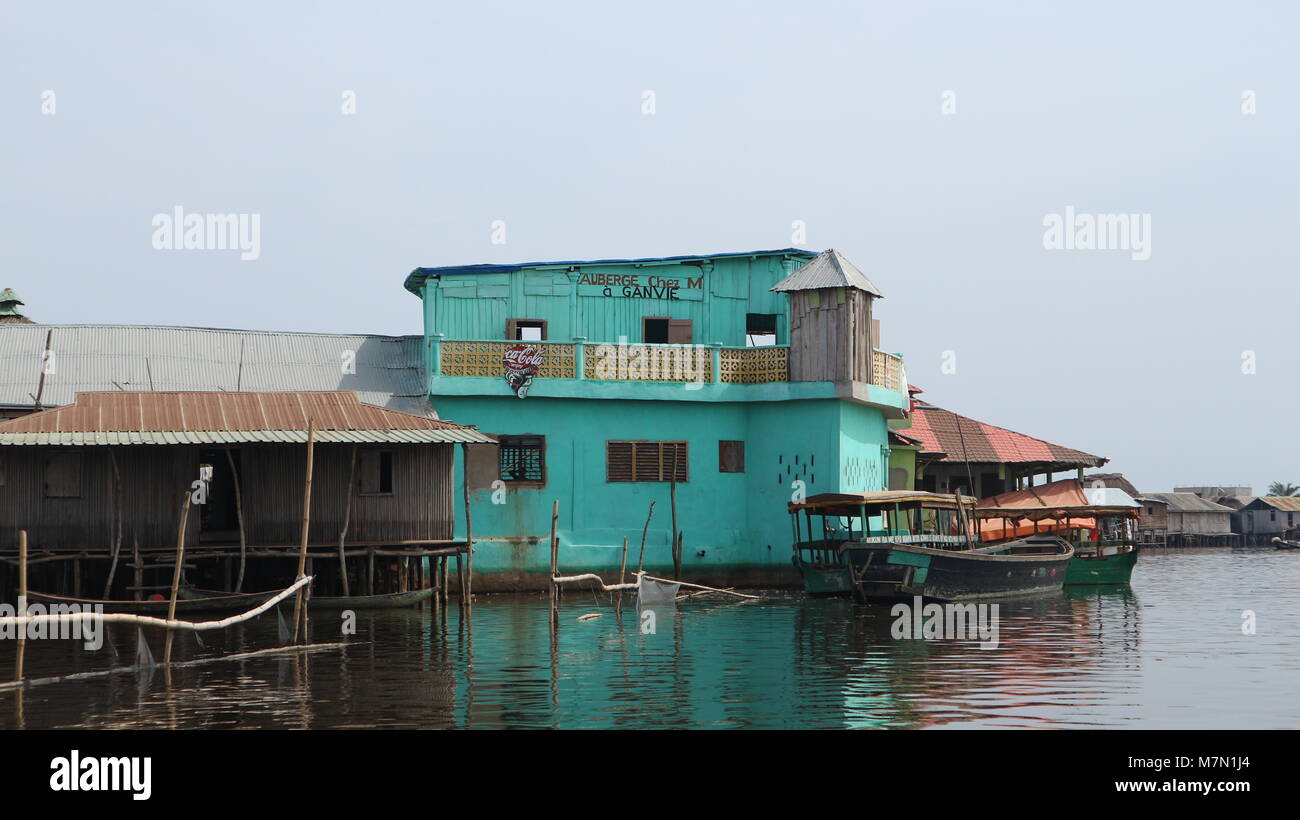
(809, 437)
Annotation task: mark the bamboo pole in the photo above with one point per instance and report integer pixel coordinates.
(701, 586)
(176, 573)
(22, 601)
(555, 552)
(640, 561)
(298, 608)
(117, 515)
(672, 499)
(591, 576)
(239, 514)
(170, 623)
(469, 531)
(347, 519)
(139, 567)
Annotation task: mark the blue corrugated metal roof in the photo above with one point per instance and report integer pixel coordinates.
(416, 277)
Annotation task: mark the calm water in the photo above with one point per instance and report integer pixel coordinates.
(1167, 652)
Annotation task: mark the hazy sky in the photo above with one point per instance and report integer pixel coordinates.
(764, 113)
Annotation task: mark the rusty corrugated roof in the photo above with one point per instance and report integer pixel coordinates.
(1289, 503)
(119, 418)
(943, 431)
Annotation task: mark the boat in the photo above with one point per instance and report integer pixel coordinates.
(1099, 522)
(185, 604)
(1289, 540)
(898, 544)
(846, 518)
(387, 600)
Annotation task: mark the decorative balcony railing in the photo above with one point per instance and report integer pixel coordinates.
(645, 362)
(887, 371)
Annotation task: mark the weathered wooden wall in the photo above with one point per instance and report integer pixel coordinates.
(830, 339)
(271, 478)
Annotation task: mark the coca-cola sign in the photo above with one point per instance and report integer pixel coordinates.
(521, 365)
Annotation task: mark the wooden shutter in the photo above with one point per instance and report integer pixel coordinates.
(731, 456)
(618, 461)
(679, 331)
(512, 330)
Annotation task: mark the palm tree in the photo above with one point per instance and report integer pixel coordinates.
(1278, 488)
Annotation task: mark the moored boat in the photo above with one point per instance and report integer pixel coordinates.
(1099, 522)
(1289, 540)
(898, 544)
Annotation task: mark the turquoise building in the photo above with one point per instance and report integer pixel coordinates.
(733, 381)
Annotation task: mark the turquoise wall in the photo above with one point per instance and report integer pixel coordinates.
(477, 305)
(738, 520)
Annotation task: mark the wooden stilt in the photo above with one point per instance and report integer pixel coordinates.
(299, 600)
(22, 603)
(469, 531)
(555, 552)
(139, 566)
(176, 573)
(239, 514)
(347, 518)
(640, 561)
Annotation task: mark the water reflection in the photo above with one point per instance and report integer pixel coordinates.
(1167, 652)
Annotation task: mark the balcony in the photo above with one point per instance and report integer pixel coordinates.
(652, 363)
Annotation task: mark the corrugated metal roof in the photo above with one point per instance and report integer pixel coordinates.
(1187, 502)
(1290, 503)
(122, 418)
(386, 369)
(829, 269)
(416, 277)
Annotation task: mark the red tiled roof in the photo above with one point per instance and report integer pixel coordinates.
(943, 431)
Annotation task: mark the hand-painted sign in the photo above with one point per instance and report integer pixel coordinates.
(641, 286)
(521, 365)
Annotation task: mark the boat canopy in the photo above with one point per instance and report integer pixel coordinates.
(850, 504)
(1065, 503)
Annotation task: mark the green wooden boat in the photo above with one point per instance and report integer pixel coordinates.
(834, 521)
(1113, 566)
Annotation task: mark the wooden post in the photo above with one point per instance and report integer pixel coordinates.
(239, 514)
(672, 498)
(640, 561)
(176, 573)
(22, 602)
(347, 519)
(139, 567)
(555, 552)
(622, 569)
(298, 602)
(370, 571)
(469, 531)
(117, 532)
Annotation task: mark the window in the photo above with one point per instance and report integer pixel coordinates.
(760, 329)
(63, 475)
(659, 330)
(645, 460)
(731, 456)
(376, 467)
(522, 459)
(526, 330)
